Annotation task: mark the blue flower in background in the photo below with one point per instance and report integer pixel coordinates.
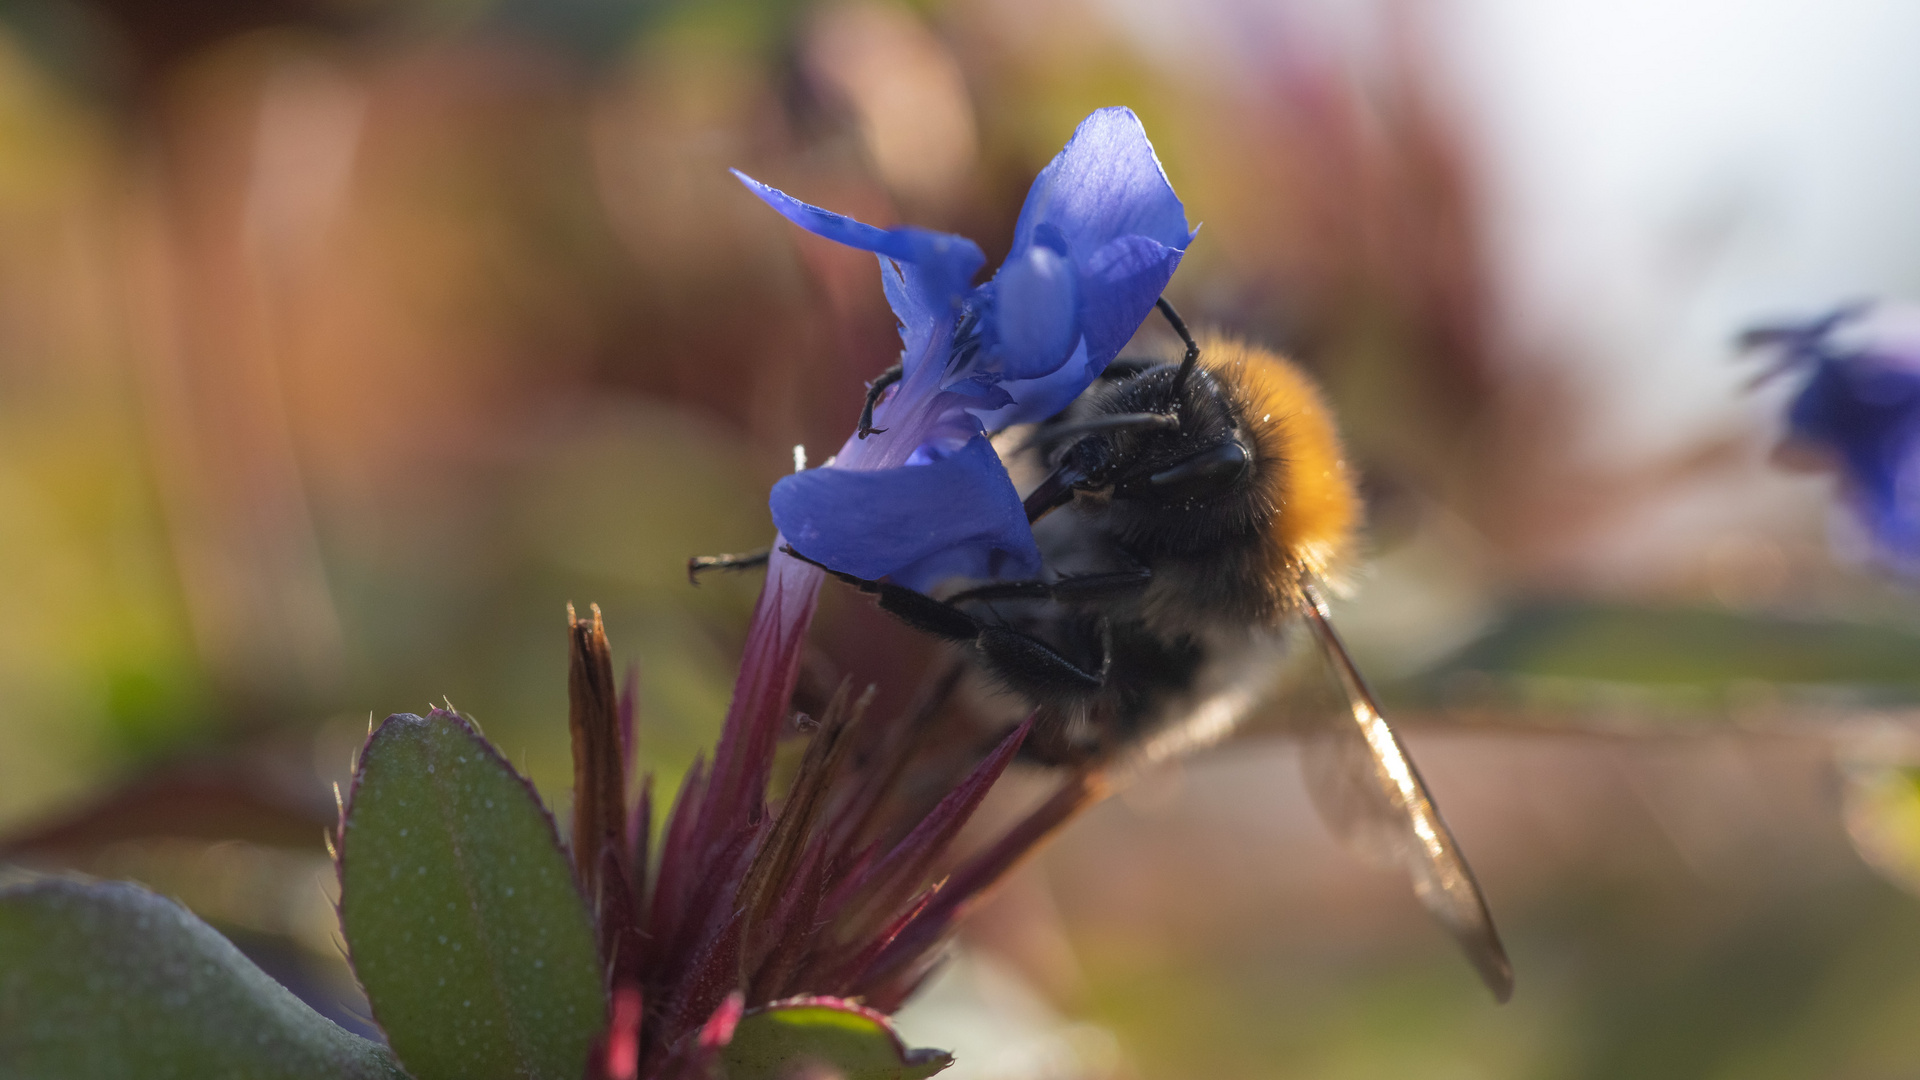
(1860, 407)
(928, 499)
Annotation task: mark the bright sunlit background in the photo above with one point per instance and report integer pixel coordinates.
(344, 342)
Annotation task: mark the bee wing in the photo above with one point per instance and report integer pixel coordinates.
(1372, 797)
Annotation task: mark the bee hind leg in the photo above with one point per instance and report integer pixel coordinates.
(1035, 668)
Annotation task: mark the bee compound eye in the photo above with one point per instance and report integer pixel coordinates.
(1210, 472)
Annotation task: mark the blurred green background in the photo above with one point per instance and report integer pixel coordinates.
(344, 342)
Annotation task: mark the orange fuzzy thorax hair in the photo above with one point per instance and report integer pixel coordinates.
(1300, 463)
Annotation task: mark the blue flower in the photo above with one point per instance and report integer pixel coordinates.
(1860, 408)
(929, 499)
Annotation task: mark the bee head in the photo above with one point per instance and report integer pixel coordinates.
(1188, 459)
(1181, 483)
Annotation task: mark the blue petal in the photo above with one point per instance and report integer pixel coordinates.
(1033, 400)
(985, 391)
(936, 267)
(1035, 312)
(1105, 206)
(959, 515)
(947, 431)
(1117, 289)
(1118, 286)
(970, 562)
(1866, 410)
(1105, 184)
(1861, 403)
(921, 322)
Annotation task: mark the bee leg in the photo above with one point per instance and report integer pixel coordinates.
(1034, 667)
(1030, 664)
(745, 560)
(874, 389)
(1192, 357)
(916, 609)
(1052, 436)
(1078, 587)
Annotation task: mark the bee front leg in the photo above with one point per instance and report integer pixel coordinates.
(1078, 587)
(1023, 661)
(745, 560)
(874, 389)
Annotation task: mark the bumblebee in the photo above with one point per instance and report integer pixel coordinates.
(1188, 513)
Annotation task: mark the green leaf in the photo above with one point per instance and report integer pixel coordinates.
(465, 926)
(110, 980)
(850, 1041)
(1684, 647)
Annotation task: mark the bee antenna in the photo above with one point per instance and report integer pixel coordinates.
(1187, 362)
